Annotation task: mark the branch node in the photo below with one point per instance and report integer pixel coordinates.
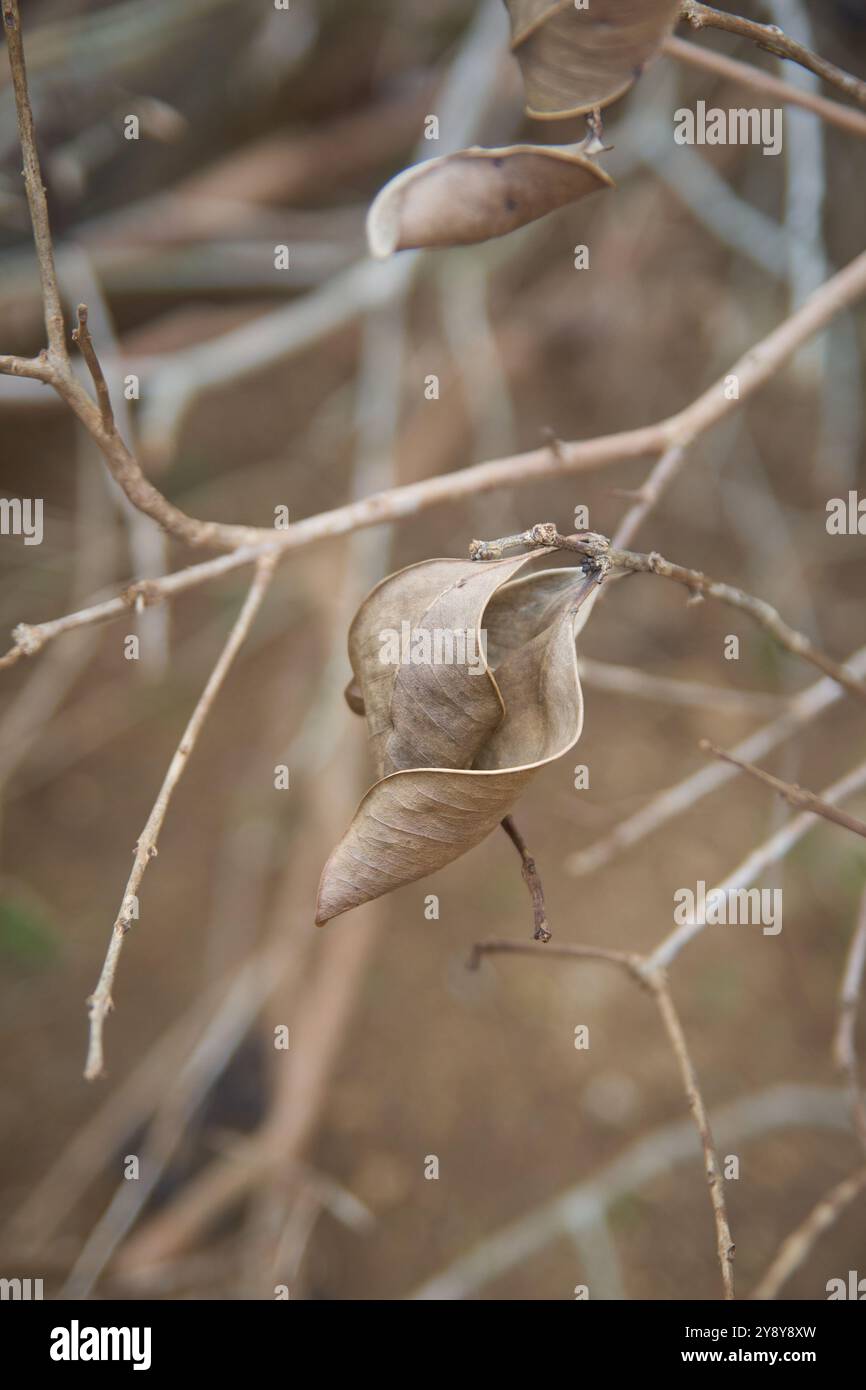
(28, 638)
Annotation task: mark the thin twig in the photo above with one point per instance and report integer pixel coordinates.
(396, 504)
(747, 75)
(798, 1245)
(663, 472)
(531, 878)
(100, 1002)
(655, 980)
(673, 801)
(800, 797)
(657, 1154)
(626, 960)
(640, 684)
(670, 1018)
(775, 41)
(81, 336)
(770, 852)
(598, 550)
(844, 1044)
(34, 187)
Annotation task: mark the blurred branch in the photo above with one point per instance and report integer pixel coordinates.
(755, 368)
(36, 200)
(100, 1002)
(644, 685)
(771, 38)
(798, 1245)
(663, 472)
(833, 112)
(81, 336)
(318, 992)
(770, 852)
(844, 1043)
(794, 795)
(655, 980)
(653, 1156)
(803, 708)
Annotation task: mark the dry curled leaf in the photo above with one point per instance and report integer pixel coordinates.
(476, 194)
(454, 743)
(574, 59)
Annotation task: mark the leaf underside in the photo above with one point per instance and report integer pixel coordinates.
(473, 195)
(573, 60)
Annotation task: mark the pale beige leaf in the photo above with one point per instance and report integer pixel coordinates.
(573, 60)
(421, 715)
(477, 194)
(416, 821)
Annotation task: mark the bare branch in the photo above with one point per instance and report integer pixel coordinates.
(795, 796)
(30, 639)
(599, 551)
(626, 960)
(747, 75)
(100, 1002)
(81, 336)
(34, 187)
(770, 852)
(671, 802)
(648, 494)
(395, 504)
(772, 38)
(653, 1155)
(645, 685)
(670, 1018)
(798, 1245)
(844, 1047)
(37, 368)
(655, 980)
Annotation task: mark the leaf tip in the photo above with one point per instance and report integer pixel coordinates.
(383, 224)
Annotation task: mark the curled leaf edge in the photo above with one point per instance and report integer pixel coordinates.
(578, 618)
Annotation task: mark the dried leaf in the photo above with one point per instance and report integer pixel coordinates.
(455, 749)
(573, 60)
(477, 194)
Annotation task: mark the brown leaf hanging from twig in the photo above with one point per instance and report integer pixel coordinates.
(454, 742)
(477, 194)
(575, 59)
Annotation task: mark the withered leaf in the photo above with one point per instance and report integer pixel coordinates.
(573, 60)
(454, 749)
(476, 194)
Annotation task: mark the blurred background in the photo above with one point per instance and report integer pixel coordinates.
(304, 388)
